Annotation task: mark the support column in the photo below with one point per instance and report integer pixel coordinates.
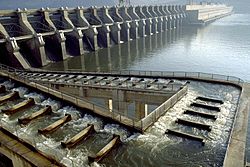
(142, 21)
(160, 18)
(59, 36)
(116, 28)
(169, 23)
(134, 23)
(87, 30)
(119, 102)
(154, 19)
(13, 49)
(92, 33)
(173, 17)
(61, 39)
(140, 110)
(36, 45)
(23, 21)
(149, 22)
(165, 18)
(104, 31)
(126, 23)
(76, 34)
(177, 16)
(39, 42)
(115, 33)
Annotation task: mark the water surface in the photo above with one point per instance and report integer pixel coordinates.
(221, 47)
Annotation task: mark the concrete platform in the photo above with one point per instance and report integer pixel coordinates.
(21, 154)
(235, 155)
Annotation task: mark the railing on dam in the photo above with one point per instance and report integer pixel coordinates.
(168, 74)
(165, 74)
(113, 114)
(184, 75)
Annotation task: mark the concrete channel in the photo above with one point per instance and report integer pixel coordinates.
(238, 133)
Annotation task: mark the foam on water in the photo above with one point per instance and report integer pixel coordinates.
(116, 129)
(87, 119)
(21, 90)
(55, 105)
(36, 96)
(75, 114)
(153, 145)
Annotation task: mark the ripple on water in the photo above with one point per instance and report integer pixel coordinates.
(153, 148)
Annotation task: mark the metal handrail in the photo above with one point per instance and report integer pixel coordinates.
(170, 74)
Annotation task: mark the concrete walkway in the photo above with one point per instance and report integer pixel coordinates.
(235, 156)
(24, 156)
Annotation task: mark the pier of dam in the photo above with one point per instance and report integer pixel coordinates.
(36, 37)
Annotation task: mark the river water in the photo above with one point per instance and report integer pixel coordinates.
(153, 148)
(221, 47)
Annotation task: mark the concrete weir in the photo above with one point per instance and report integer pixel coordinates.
(194, 124)
(201, 114)
(237, 140)
(51, 128)
(208, 99)
(20, 106)
(105, 150)
(206, 106)
(185, 135)
(41, 112)
(79, 137)
(9, 96)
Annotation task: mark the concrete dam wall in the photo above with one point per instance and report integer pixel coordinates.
(36, 37)
(33, 38)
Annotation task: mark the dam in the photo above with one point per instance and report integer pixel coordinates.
(124, 115)
(26, 36)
